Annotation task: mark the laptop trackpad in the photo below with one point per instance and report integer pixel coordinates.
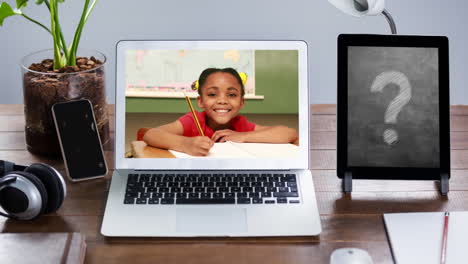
(211, 220)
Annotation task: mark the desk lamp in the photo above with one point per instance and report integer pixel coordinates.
(359, 8)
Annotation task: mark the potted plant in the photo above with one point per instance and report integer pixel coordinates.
(58, 75)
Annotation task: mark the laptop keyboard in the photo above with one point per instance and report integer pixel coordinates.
(215, 188)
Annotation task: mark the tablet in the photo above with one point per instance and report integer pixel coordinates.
(393, 107)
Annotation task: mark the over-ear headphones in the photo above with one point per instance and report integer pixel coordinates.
(26, 192)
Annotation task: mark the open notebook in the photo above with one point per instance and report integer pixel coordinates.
(247, 150)
(417, 237)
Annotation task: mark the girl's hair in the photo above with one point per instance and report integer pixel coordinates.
(207, 72)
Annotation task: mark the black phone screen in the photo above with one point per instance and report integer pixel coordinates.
(79, 139)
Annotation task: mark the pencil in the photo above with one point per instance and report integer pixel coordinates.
(194, 115)
(443, 256)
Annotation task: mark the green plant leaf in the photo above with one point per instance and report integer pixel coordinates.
(39, 2)
(21, 3)
(6, 11)
(42, 1)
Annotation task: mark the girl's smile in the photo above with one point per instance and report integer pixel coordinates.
(221, 98)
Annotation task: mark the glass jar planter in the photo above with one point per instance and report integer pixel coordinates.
(43, 89)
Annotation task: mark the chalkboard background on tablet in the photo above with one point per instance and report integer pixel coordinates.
(393, 107)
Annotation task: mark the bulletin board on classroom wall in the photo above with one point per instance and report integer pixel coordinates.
(276, 79)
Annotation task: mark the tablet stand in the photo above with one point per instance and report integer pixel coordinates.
(444, 184)
(347, 183)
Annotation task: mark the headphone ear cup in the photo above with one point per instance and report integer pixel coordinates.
(53, 183)
(26, 189)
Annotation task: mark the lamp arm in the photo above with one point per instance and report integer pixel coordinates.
(390, 21)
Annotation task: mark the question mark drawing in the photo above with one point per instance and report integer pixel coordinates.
(404, 96)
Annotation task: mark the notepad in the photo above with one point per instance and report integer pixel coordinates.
(247, 150)
(17, 248)
(417, 237)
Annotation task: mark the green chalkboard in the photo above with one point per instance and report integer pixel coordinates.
(276, 78)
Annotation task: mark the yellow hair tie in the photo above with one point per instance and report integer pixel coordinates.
(242, 75)
(195, 85)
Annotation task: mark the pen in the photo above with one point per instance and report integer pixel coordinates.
(194, 115)
(444, 238)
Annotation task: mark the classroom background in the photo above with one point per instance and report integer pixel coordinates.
(317, 22)
(276, 79)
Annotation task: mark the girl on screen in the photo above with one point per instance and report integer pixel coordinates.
(221, 95)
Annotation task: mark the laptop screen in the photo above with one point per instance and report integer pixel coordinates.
(211, 103)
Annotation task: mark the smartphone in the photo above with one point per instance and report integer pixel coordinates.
(79, 140)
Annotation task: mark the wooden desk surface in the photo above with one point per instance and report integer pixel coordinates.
(347, 220)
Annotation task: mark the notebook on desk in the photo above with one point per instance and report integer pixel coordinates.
(417, 237)
(25, 248)
(237, 189)
(246, 150)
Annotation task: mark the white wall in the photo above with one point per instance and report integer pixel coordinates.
(315, 21)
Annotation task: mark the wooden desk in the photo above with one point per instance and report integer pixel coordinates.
(347, 221)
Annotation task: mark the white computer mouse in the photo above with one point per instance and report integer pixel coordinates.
(350, 256)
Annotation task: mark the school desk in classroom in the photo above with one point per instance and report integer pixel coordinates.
(141, 150)
(136, 121)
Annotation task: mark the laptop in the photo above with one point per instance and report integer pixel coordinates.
(237, 189)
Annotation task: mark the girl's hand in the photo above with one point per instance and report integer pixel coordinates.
(228, 135)
(197, 146)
